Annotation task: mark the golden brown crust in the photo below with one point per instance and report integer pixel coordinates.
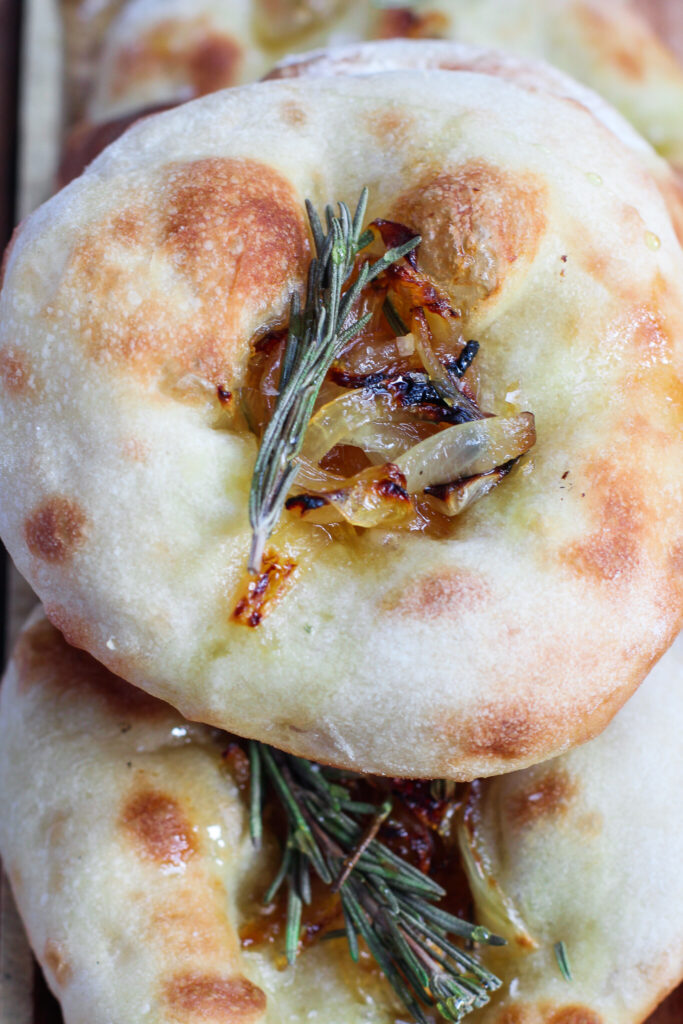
(207, 210)
(474, 221)
(548, 796)
(209, 998)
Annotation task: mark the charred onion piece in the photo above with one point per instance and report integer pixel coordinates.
(411, 297)
(376, 496)
(413, 391)
(453, 498)
(439, 376)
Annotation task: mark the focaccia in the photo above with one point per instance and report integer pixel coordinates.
(583, 848)
(133, 303)
(126, 841)
(165, 51)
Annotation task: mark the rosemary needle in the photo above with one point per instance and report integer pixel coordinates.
(563, 960)
(317, 335)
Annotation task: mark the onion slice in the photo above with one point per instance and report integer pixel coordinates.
(467, 449)
(338, 421)
(452, 499)
(436, 371)
(372, 422)
(495, 908)
(376, 496)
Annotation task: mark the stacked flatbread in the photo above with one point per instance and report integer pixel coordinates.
(142, 875)
(132, 307)
(148, 54)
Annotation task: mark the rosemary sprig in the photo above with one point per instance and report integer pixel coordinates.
(317, 335)
(386, 901)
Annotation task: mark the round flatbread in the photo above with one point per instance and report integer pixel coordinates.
(583, 849)
(163, 51)
(125, 837)
(131, 304)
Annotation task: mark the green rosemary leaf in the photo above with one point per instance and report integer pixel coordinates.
(563, 961)
(359, 217)
(460, 956)
(412, 967)
(365, 239)
(282, 873)
(255, 794)
(304, 880)
(383, 958)
(391, 256)
(385, 893)
(301, 836)
(354, 329)
(454, 925)
(293, 930)
(295, 331)
(349, 929)
(358, 807)
(393, 318)
(317, 334)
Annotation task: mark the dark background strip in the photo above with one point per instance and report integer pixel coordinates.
(10, 39)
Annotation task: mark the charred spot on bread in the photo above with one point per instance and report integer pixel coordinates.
(549, 796)
(57, 962)
(55, 529)
(158, 826)
(214, 998)
(15, 370)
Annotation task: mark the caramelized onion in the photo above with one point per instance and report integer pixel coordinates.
(422, 306)
(362, 418)
(452, 499)
(337, 421)
(402, 396)
(437, 372)
(376, 496)
(467, 449)
(495, 909)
